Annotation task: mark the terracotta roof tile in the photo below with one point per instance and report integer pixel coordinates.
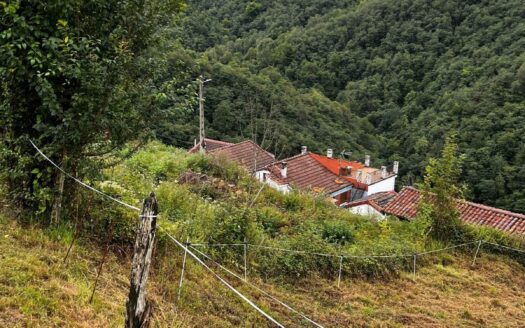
(405, 205)
(246, 153)
(305, 172)
(210, 144)
(378, 200)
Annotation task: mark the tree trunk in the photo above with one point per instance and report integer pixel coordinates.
(137, 307)
(57, 205)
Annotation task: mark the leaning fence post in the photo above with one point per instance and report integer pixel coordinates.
(414, 273)
(183, 267)
(245, 260)
(477, 251)
(138, 309)
(340, 271)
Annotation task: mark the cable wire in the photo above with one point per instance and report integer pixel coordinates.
(257, 288)
(225, 282)
(82, 183)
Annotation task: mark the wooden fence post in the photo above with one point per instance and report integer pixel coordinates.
(138, 309)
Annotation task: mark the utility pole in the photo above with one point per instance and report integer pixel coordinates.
(201, 112)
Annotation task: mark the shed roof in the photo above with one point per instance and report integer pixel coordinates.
(378, 200)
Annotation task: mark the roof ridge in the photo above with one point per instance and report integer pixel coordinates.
(243, 142)
(478, 205)
(326, 169)
(219, 141)
(287, 159)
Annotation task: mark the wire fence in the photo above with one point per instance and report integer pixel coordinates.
(186, 247)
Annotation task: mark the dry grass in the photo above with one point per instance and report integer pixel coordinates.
(37, 290)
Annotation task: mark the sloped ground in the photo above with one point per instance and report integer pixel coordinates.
(37, 290)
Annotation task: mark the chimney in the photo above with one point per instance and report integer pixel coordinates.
(367, 160)
(368, 178)
(396, 167)
(284, 170)
(304, 150)
(383, 172)
(330, 153)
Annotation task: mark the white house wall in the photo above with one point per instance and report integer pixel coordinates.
(366, 210)
(383, 185)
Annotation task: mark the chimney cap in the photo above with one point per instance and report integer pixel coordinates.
(329, 153)
(304, 149)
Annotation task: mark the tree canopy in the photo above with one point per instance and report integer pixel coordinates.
(77, 77)
(388, 78)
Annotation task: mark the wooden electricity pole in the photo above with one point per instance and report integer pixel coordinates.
(201, 112)
(138, 309)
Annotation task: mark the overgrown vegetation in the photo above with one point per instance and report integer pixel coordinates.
(209, 200)
(37, 289)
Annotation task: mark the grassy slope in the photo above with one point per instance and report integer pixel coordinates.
(37, 290)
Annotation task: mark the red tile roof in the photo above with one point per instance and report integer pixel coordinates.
(246, 153)
(405, 205)
(305, 173)
(378, 200)
(335, 165)
(210, 144)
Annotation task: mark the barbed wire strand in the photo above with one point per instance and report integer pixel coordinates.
(507, 247)
(447, 248)
(216, 245)
(225, 282)
(85, 185)
(257, 288)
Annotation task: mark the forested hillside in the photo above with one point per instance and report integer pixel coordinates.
(390, 78)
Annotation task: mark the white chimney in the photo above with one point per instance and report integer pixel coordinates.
(304, 150)
(284, 170)
(396, 167)
(330, 153)
(367, 160)
(368, 178)
(383, 172)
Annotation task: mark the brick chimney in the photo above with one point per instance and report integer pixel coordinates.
(330, 153)
(383, 172)
(304, 150)
(396, 167)
(284, 170)
(367, 160)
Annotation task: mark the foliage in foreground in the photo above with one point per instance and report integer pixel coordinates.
(216, 209)
(37, 289)
(76, 77)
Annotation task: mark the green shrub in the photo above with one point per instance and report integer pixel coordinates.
(337, 232)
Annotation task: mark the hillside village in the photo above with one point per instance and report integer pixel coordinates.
(358, 163)
(351, 185)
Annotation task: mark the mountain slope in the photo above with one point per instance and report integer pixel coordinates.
(404, 73)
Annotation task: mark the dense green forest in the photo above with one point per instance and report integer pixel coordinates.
(390, 78)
